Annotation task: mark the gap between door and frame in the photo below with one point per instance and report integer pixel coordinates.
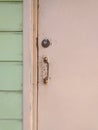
(36, 63)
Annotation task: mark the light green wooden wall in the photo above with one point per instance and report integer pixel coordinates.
(11, 64)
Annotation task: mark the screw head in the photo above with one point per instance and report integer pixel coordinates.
(45, 43)
(46, 81)
(45, 59)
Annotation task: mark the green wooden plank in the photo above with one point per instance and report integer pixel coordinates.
(10, 105)
(10, 125)
(11, 16)
(10, 76)
(10, 0)
(11, 47)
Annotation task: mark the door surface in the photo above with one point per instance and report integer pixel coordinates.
(69, 101)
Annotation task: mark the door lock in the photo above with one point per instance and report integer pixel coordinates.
(45, 43)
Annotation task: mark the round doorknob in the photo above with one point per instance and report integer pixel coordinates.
(45, 43)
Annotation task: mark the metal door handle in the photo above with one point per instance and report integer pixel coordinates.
(45, 80)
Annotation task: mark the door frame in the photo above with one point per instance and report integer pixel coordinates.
(29, 65)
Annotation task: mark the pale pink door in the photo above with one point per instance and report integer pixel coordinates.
(69, 101)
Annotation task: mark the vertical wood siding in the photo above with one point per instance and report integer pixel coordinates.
(11, 62)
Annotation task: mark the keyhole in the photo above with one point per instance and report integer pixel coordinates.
(45, 43)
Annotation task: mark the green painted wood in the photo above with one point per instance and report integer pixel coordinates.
(10, 125)
(10, 105)
(11, 58)
(11, 47)
(11, 16)
(10, 76)
(11, 0)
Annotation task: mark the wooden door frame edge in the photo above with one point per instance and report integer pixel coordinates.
(29, 65)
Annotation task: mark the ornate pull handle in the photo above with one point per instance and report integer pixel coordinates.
(45, 80)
